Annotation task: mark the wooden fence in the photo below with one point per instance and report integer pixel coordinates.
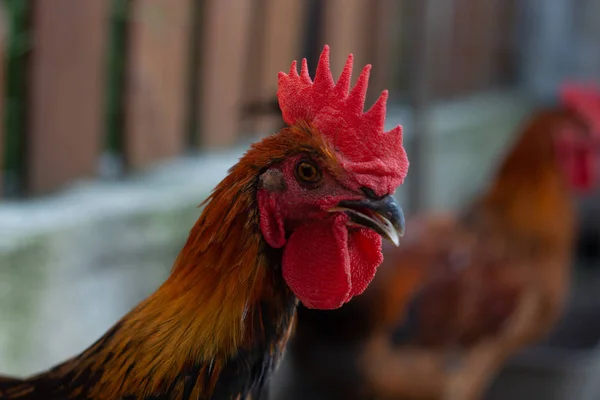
(146, 80)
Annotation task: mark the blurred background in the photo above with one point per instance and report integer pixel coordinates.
(119, 116)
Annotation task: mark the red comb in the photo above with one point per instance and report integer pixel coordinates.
(376, 157)
(578, 155)
(585, 100)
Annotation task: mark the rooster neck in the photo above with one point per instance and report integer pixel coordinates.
(214, 330)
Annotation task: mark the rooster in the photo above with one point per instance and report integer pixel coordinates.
(300, 217)
(463, 292)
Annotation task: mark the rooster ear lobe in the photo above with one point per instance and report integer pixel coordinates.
(271, 220)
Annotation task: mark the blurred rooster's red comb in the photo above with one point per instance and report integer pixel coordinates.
(585, 100)
(338, 113)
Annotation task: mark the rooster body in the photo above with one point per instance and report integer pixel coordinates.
(300, 217)
(495, 277)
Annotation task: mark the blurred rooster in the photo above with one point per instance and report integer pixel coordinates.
(299, 217)
(464, 292)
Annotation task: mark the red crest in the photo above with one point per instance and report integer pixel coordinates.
(375, 157)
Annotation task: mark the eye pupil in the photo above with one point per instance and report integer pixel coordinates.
(307, 171)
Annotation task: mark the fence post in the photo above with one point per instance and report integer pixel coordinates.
(366, 28)
(66, 92)
(2, 88)
(280, 43)
(384, 36)
(225, 34)
(428, 33)
(345, 30)
(156, 80)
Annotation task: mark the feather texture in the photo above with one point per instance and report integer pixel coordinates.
(219, 324)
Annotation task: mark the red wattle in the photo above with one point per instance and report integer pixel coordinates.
(271, 222)
(364, 247)
(582, 174)
(325, 266)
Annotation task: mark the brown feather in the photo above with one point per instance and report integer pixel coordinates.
(224, 299)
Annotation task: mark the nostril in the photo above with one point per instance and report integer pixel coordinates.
(370, 193)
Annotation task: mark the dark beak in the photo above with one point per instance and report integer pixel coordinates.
(383, 216)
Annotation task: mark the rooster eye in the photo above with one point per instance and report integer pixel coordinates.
(308, 172)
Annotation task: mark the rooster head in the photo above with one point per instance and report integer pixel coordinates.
(326, 195)
(579, 139)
